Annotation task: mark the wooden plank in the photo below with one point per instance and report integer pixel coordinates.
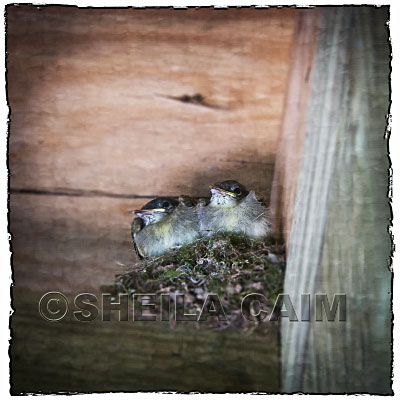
(72, 356)
(89, 96)
(70, 243)
(339, 241)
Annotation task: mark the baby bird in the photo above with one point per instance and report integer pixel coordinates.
(151, 213)
(165, 225)
(233, 209)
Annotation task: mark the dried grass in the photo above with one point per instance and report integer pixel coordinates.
(228, 265)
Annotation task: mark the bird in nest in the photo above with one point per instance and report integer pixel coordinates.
(164, 223)
(232, 208)
(167, 222)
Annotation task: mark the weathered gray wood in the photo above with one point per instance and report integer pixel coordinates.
(338, 237)
(118, 356)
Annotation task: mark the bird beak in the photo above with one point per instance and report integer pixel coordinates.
(141, 213)
(222, 191)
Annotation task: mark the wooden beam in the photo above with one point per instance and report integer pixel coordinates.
(339, 241)
(114, 356)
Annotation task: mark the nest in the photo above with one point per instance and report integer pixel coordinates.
(229, 265)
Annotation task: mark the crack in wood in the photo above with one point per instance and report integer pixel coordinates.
(270, 164)
(79, 193)
(196, 99)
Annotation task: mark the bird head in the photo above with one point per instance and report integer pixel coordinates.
(227, 193)
(156, 209)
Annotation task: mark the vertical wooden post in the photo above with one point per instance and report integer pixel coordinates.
(338, 236)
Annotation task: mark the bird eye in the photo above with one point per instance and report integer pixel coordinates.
(237, 191)
(165, 204)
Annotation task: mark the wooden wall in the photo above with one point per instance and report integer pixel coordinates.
(97, 127)
(337, 227)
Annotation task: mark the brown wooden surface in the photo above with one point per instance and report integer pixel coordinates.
(70, 243)
(339, 240)
(290, 148)
(88, 91)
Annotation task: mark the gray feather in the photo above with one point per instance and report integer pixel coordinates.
(249, 216)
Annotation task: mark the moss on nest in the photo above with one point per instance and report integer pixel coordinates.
(228, 265)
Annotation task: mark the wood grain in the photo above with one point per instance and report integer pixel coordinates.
(88, 92)
(291, 140)
(70, 243)
(113, 356)
(339, 241)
